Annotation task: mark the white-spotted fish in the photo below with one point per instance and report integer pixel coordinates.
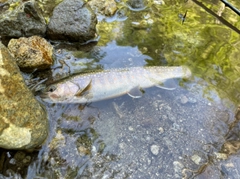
(107, 84)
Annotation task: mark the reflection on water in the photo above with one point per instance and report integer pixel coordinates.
(190, 132)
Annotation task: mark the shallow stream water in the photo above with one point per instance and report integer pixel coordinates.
(189, 132)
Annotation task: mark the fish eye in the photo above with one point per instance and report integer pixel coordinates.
(51, 88)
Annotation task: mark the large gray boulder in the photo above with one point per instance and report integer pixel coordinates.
(72, 20)
(21, 19)
(23, 121)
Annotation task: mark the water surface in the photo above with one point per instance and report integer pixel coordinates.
(190, 132)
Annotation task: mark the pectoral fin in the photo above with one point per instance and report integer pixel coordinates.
(136, 92)
(84, 91)
(169, 84)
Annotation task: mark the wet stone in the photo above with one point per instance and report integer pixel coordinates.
(22, 19)
(196, 159)
(15, 162)
(184, 99)
(137, 4)
(231, 147)
(161, 130)
(154, 149)
(220, 156)
(178, 167)
(130, 128)
(158, 2)
(57, 141)
(27, 159)
(19, 155)
(72, 20)
(47, 7)
(106, 7)
(83, 151)
(23, 121)
(31, 53)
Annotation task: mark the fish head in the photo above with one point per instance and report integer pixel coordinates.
(56, 93)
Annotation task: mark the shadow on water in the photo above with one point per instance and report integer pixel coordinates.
(189, 132)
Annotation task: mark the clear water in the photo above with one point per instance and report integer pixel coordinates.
(190, 132)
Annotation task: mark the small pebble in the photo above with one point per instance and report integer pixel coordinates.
(12, 161)
(155, 149)
(161, 130)
(221, 156)
(178, 166)
(183, 99)
(130, 128)
(196, 159)
(27, 159)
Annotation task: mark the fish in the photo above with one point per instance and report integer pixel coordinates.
(106, 84)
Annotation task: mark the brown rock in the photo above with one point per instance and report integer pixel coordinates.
(23, 121)
(31, 53)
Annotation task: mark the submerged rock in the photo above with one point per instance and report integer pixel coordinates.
(108, 7)
(21, 19)
(137, 4)
(47, 7)
(72, 20)
(31, 53)
(23, 121)
(154, 149)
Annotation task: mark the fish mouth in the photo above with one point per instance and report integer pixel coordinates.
(43, 95)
